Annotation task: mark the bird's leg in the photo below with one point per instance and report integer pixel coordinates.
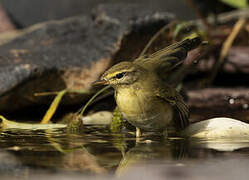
(138, 132)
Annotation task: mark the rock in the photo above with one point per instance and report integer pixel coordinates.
(218, 129)
(236, 62)
(10, 164)
(5, 22)
(101, 117)
(213, 102)
(218, 98)
(38, 11)
(71, 53)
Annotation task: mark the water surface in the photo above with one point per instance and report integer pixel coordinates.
(96, 153)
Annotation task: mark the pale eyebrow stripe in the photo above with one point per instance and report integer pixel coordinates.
(115, 73)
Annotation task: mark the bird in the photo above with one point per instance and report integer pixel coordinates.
(143, 95)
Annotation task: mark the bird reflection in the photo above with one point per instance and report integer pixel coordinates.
(149, 151)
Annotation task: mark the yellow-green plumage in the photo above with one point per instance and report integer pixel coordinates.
(143, 95)
(141, 107)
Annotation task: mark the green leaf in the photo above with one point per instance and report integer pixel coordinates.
(50, 112)
(7, 124)
(236, 3)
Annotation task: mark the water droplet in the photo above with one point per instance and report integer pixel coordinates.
(231, 101)
(245, 106)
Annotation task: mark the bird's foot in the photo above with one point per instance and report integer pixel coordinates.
(138, 134)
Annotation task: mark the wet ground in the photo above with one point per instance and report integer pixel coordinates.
(97, 154)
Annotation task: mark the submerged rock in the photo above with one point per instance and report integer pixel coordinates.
(9, 164)
(71, 53)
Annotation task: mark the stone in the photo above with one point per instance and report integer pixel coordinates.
(219, 101)
(98, 118)
(236, 61)
(221, 128)
(5, 22)
(71, 53)
(39, 11)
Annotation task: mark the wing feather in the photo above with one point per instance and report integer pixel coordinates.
(176, 100)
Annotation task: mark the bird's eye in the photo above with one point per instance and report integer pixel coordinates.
(119, 75)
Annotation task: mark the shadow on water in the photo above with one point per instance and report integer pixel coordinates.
(96, 151)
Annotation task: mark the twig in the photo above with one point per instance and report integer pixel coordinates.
(233, 15)
(227, 45)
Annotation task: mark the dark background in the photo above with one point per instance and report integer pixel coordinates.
(28, 12)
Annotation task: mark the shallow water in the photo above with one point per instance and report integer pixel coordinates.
(95, 153)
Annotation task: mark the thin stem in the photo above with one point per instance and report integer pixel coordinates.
(92, 98)
(227, 45)
(57, 92)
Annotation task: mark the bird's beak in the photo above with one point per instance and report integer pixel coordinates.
(100, 82)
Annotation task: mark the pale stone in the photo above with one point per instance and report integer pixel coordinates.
(218, 128)
(102, 117)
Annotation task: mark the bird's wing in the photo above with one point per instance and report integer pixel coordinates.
(168, 58)
(176, 100)
(174, 55)
(175, 49)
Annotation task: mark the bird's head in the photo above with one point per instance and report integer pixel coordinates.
(124, 73)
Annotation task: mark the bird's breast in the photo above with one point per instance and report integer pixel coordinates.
(129, 101)
(143, 110)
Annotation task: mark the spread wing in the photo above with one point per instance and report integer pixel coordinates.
(170, 56)
(176, 100)
(167, 63)
(173, 49)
